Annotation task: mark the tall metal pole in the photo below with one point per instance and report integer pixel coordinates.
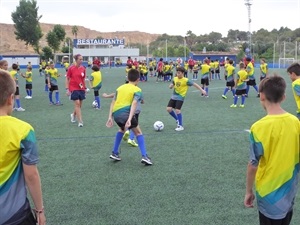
(166, 50)
(248, 4)
(184, 49)
(69, 51)
(274, 55)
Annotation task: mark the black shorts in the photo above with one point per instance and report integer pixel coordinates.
(212, 70)
(17, 91)
(230, 83)
(195, 72)
(175, 104)
(77, 95)
(205, 81)
(53, 88)
(240, 92)
(122, 119)
(151, 69)
(191, 67)
(46, 81)
(160, 74)
(284, 221)
(28, 86)
(218, 71)
(261, 78)
(251, 83)
(40, 70)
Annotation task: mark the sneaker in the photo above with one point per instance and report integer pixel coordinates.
(146, 160)
(132, 143)
(179, 128)
(27, 97)
(126, 136)
(51, 103)
(241, 106)
(206, 96)
(224, 96)
(258, 95)
(233, 106)
(58, 104)
(20, 109)
(80, 124)
(73, 120)
(115, 157)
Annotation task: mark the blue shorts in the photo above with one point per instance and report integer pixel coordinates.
(77, 95)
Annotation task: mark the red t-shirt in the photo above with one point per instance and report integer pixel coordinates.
(191, 62)
(76, 76)
(160, 66)
(129, 62)
(97, 62)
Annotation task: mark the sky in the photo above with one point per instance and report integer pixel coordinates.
(164, 16)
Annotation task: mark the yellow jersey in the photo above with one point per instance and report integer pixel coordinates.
(96, 78)
(180, 88)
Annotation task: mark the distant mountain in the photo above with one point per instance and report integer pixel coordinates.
(10, 46)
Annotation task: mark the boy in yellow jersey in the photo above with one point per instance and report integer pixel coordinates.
(230, 79)
(205, 73)
(263, 69)
(180, 85)
(274, 157)
(167, 72)
(144, 72)
(28, 85)
(196, 69)
(186, 67)
(240, 86)
(212, 70)
(217, 69)
(294, 73)
(122, 111)
(226, 63)
(52, 75)
(251, 77)
(151, 67)
(96, 83)
(15, 75)
(19, 158)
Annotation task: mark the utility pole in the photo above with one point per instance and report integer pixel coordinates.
(248, 4)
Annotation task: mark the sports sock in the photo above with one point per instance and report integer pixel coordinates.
(18, 103)
(179, 116)
(50, 97)
(247, 89)
(30, 92)
(233, 91)
(118, 140)
(46, 87)
(226, 90)
(27, 91)
(57, 96)
(172, 113)
(141, 141)
(97, 98)
(131, 135)
(235, 99)
(206, 89)
(243, 99)
(255, 87)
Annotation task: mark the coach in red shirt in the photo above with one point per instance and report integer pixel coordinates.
(75, 87)
(96, 62)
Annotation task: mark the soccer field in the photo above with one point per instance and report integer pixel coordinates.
(198, 176)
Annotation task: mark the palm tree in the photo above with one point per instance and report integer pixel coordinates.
(74, 31)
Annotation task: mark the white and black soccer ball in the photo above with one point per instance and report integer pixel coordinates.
(95, 104)
(158, 126)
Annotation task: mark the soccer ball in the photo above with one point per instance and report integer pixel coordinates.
(158, 126)
(95, 104)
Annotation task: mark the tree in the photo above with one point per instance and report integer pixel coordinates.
(214, 37)
(74, 31)
(26, 23)
(60, 32)
(47, 53)
(53, 41)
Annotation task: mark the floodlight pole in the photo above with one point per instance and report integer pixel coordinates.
(248, 4)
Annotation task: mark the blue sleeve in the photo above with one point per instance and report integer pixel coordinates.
(29, 149)
(190, 83)
(256, 150)
(137, 96)
(297, 89)
(91, 78)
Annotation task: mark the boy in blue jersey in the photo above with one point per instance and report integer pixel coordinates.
(18, 163)
(180, 85)
(96, 83)
(251, 77)
(294, 73)
(274, 157)
(52, 75)
(122, 111)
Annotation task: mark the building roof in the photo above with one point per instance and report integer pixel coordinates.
(214, 53)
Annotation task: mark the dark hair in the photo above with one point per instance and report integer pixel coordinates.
(248, 59)
(294, 68)
(161, 59)
(181, 69)
(77, 56)
(14, 66)
(95, 68)
(242, 65)
(7, 87)
(230, 61)
(133, 75)
(273, 88)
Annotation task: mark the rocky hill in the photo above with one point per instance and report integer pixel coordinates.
(10, 46)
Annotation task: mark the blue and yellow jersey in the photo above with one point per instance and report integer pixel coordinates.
(28, 77)
(127, 70)
(230, 69)
(167, 68)
(15, 75)
(180, 88)
(53, 75)
(18, 146)
(264, 69)
(44, 64)
(241, 84)
(196, 67)
(296, 91)
(66, 65)
(225, 66)
(96, 78)
(186, 66)
(217, 65)
(274, 141)
(124, 96)
(250, 71)
(144, 69)
(212, 65)
(205, 69)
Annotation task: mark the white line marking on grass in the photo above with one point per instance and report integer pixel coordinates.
(215, 88)
(246, 130)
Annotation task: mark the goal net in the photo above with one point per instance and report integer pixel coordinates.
(285, 62)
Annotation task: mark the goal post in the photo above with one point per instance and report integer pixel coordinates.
(285, 62)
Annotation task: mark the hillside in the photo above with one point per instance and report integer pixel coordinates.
(10, 46)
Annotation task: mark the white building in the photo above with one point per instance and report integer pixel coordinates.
(105, 49)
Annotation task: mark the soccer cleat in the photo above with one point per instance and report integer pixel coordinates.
(146, 160)
(224, 96)
(80, 124)
(58, 104)
(51, 103)
(126, 136)
(233, 106)
(20, 109)
(27, 97)
(132, 143)
(73, 120)
(179, 128)
(241, 106)
(115, 157)
(258, 95)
